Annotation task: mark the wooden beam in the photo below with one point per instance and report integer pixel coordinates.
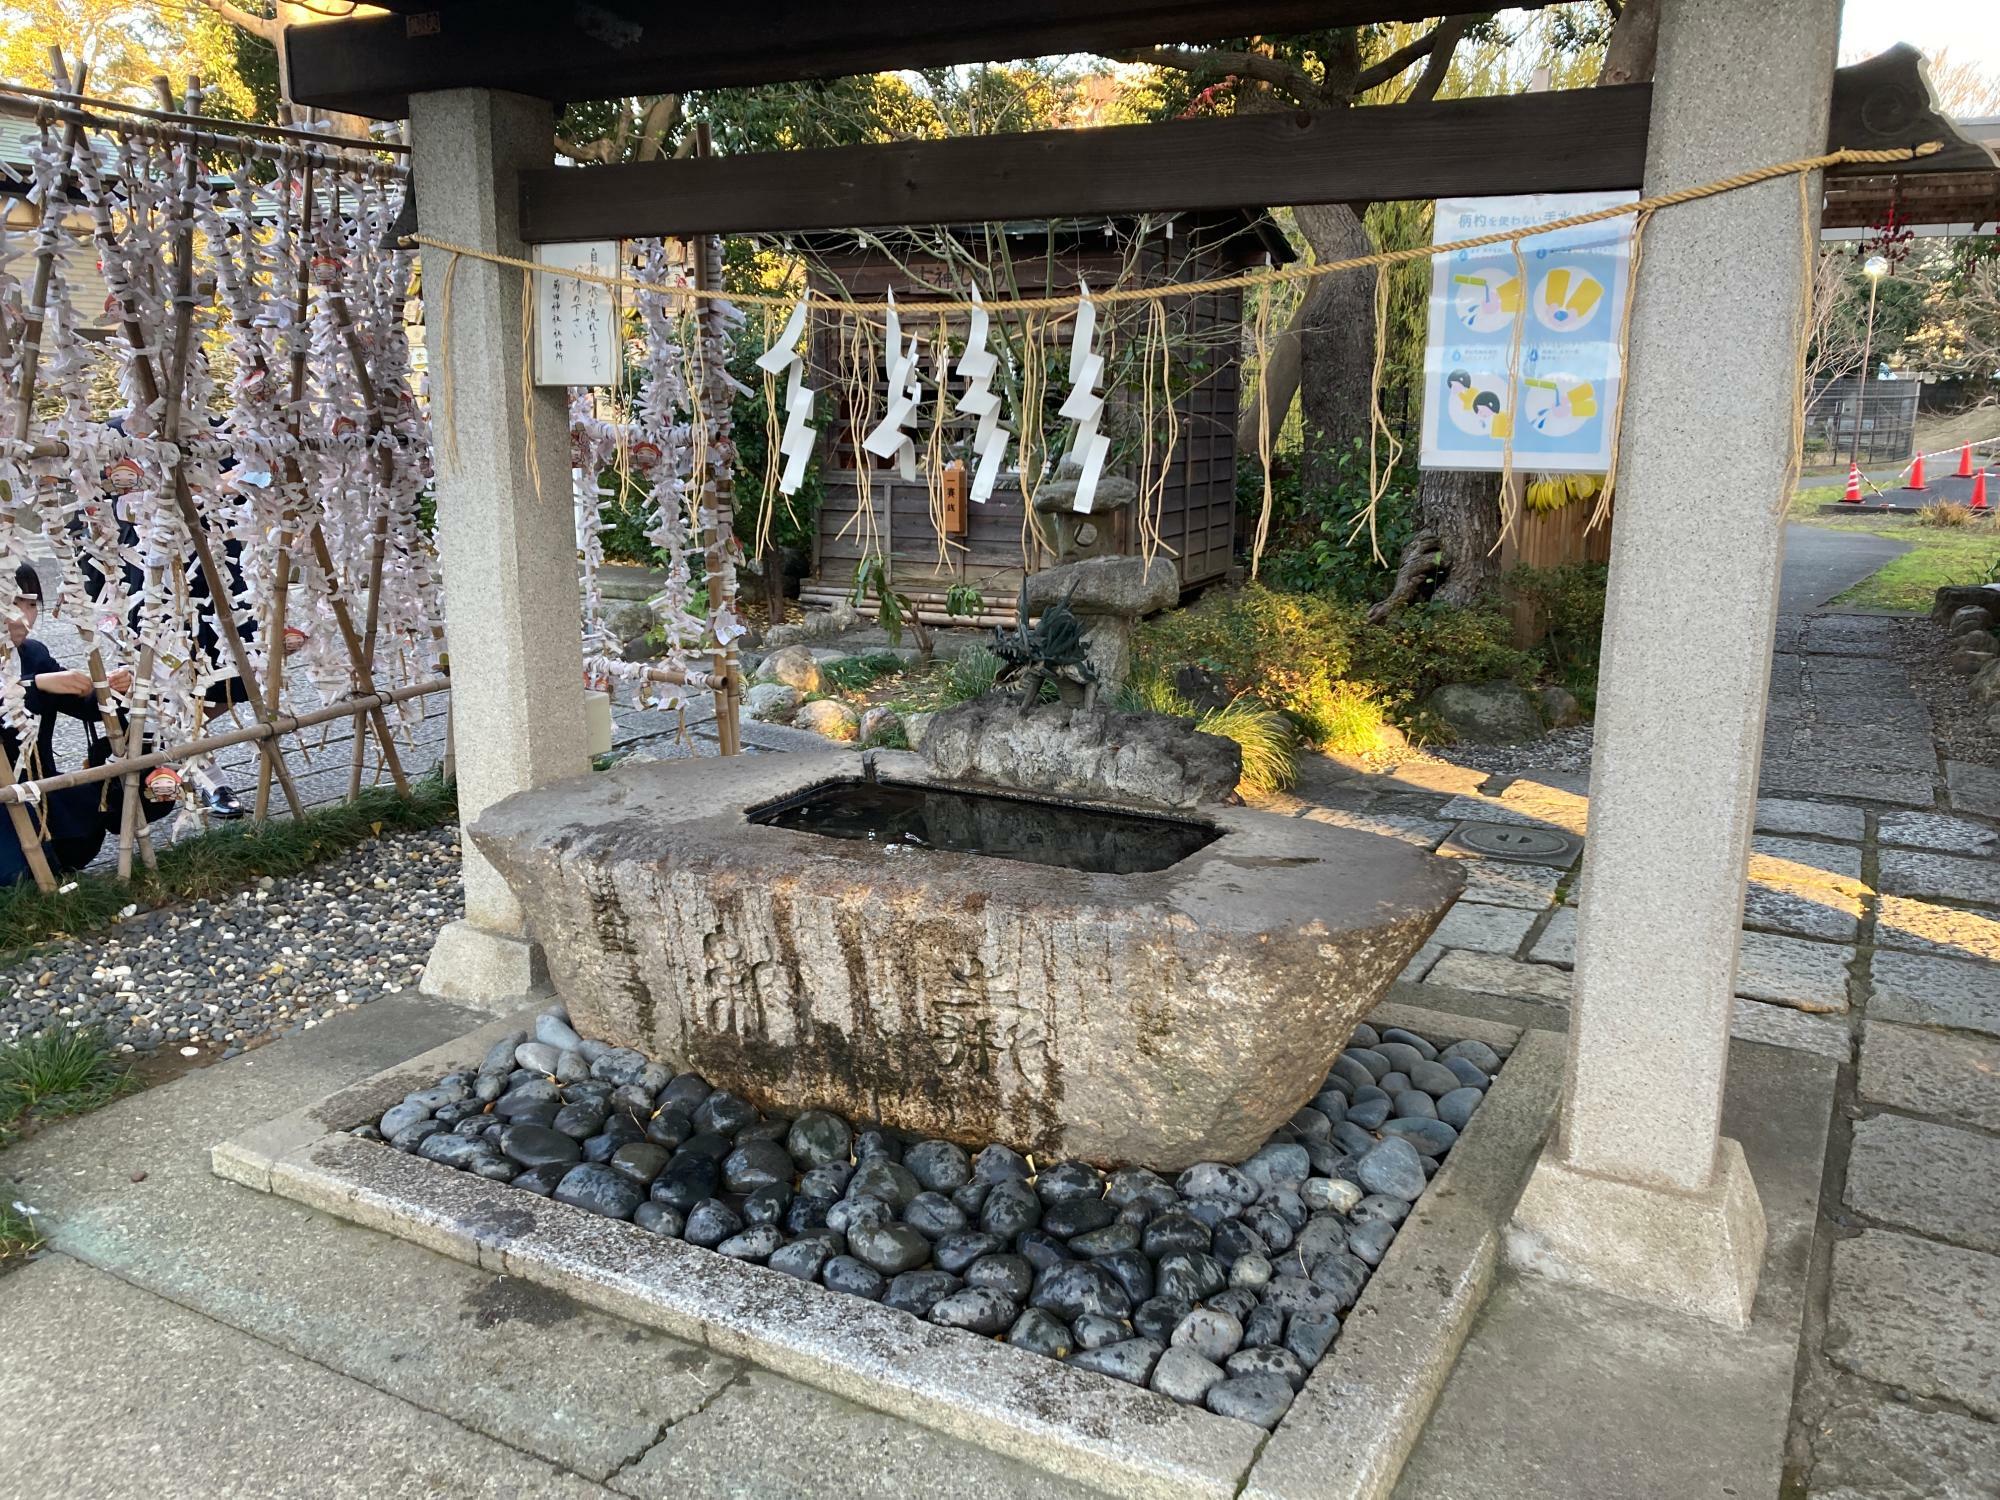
(371, 65)
(1526, 143)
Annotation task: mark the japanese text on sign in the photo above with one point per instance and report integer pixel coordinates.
(576, 326)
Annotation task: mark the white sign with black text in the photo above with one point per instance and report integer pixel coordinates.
(576, 323)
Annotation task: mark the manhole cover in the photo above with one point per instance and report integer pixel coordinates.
(1529, 846)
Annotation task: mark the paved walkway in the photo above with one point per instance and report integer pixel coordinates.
(187, 1336)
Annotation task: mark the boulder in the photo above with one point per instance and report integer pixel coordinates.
(1956, 596)
(772, 702)
(879, 722)
(1094, 752)
(1559, 707)
(793, 666)
(1970, 617)
(1971, 659)
(1986, 685)
(915, 727)
(830, 717)
(1975, 640)
(818, 625)
(1487, 713)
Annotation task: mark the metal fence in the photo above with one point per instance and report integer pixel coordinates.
(1885, 409)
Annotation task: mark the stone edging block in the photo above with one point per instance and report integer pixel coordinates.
(1345, 1438)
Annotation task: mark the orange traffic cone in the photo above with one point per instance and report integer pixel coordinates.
(1853, 495)
(1917, 474)
(1979, 491)
(1964, 463)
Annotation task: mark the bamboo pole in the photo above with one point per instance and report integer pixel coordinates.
(717, 490)
(74, 102)
(208, 744)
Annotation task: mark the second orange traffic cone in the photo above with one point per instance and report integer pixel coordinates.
(1917, 474)
(1964, 463)
(1979, 491)
(1853, 495)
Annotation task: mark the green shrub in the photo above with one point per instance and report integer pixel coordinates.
(1568, 601)
(968, 675)
(57, 1073)
(1266, 739)
(847, 673)
(1341, 716)
(1319, 541)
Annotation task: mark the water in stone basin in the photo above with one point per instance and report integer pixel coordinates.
(1065, 834)
(1221, 1288)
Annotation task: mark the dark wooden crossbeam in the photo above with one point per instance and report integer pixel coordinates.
(598, 49)
(1526, 143)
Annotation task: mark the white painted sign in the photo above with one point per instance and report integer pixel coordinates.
(1557, 411)
(576, 324)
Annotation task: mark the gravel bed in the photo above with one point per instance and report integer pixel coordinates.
(1222, 1288)
(1563, 750)
(282, 956)
(1962, 729)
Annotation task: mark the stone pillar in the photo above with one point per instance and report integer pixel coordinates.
(1639, 1195)
(507, 544)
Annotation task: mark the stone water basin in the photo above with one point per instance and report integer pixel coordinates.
(1172, 1001)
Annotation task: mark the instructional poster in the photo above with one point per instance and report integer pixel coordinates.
(576, 328)
(1557, 411)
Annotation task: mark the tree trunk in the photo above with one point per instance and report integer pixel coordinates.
(1463, 507)
(1628, 55)
(1336, 332)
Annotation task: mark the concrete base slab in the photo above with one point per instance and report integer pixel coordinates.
(1689, 1252)
(1358, 1415)
(1563, 1393)
(471, 965)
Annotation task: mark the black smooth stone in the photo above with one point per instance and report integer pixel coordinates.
(710, 1222)
(469, 1126)
(1293, 1295)
(685, 1092)
(767, 1205)
(541, 1181)
(756, 1164)
(669, 1128)
(1432, 1138)
(1127, 1183)
(659, 1219)
(1113, 1237)
(970, 1198)
(1094, 1330)
(1342, 1276)
(538, 1146)
(976, 1309)
(1237, 1301)
(580, 1120)
(1176, 1230)
(1392, 1084)
(999, 1164)
(1190, 1275)
(685, 1182)
(1070, 1180)
(1369, 1109)
(1041, 1333)
(817, 1139)
(1073, 1216)
(641, 1161)
(933, 1215)
(806, 1213)
(1289, 1205)
(888, 1180)
(877, 1145)
(804, 1259)
(412, 1136)
(1217, 1180)
(957, 1251)
(451, 1114)
(1010, 1208)
(772, 1128)
(1273, 1227)
(534, 1112)
(844, 1273)
(889, 1248)
(917, 1292)
(1157, 1317)
(1235, 1239)
(1379, 1206)
(1133, 1270)
(1042, 1250)
(707, 1143)
(850, 1214)
(1009, 1275)
(1077, 1287)
(600, 1190)
(940, 1166)
(1323, 1234)
(450, 1150)
(1308, 1335)
(1264, 1326)
(1130, 1360)
(829, 1181)
(1348, 1135)
(757, 1243)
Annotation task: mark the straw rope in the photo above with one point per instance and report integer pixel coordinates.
(1256, 277)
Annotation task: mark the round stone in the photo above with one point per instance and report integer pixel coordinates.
(1238, 1302)
(1432, 1138)
(754, 1244)
(451, 1150)
(756, 1164)
(1468, 1075)
(1370, 1241)
(1434, 1079)
(1074, 1288)
(829, 1181)
(1000, 1164)
(1252, 1271)
(630, 1099)
(685, 1092)
(939, 1166)
(1094, 1330)
(969, 1198)
(1377, 1066)
(685, 1182)
(538, 1057)
(1394, 1168)
(1041, 1333)
(889, 1248)
(1264, 1327)
(1456, 1107)
(600, 1190)
(641, 1161)
(917, 1292)
(1324, 1233)
(1217, 1180)
(876, 1145)
(1478, 1054)
(1133, 1270)
(1272, 1227)
(1308, 1335)
(538, 1146)
(933, 1215)
(1073, 1216)
(1042, 1250)
(1190, 1275)
(975, 1309)
(1414, 1104)
(1363, 1115)
(1127, 1184)
(724, 1113)
(1313, 1124)
(801, 1258)
(581, 1120)
(888, 1180)
(1323, 1193)
(1130, 1360)
(1009, 1275)
(500, 1056)
(768, 1205)
(1401, 1056)
(805, 1214)
(1341, 1276)
(710, 1222)
(1184, 1375)
(1280, 1165)
(669, 1127)
(659, 1219)
(1210, 1332)
(850, 1214)
(1267, 1361)
(955, 1252)
(1010, 1208)
(402, 1117)
(817, 1139)
(1379, 1206)
(1410, 1039)
(843, 1273)
(1176, 1230)
(541, 1181)
(1293, 1295)
(1348, 1072)
(553, 1028)
(1112, 1238)
(1069, 1181)
(1258, 1399)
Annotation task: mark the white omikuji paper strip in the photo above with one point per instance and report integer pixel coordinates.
(990, 439)
(1084, 406)
(796, 443)
(906, 393)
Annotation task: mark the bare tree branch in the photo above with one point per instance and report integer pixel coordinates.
(264, 28)
(1381, 72)
(1211, 63)
(1444, 43)
(661, 116)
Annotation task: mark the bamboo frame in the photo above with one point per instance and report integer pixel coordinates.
(717, 494)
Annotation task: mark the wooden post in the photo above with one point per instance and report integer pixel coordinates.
(717, 490)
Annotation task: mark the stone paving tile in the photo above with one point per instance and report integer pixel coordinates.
(1905, 872)
(1827, 819)
(1780, 1026)
(1871, 1449)
(1490, 974)
(1936, 831)
(1802, 773)
(1931, 991)
(1779, 970)
(1433, 776)
(1904, 922)
(1425, 833)
(1420, 963)
(1788, 675)
(1830, 915)
(1499, 882)
(1920, 1316)
(1530, 802)
(1848, 635)
(1800, 863)
(1974, 789)
(1933, 1179)
(1483, 929)
(1932, 1073)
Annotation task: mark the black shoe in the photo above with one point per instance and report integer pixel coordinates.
(220, 802)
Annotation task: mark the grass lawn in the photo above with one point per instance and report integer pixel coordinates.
(1938, 555)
